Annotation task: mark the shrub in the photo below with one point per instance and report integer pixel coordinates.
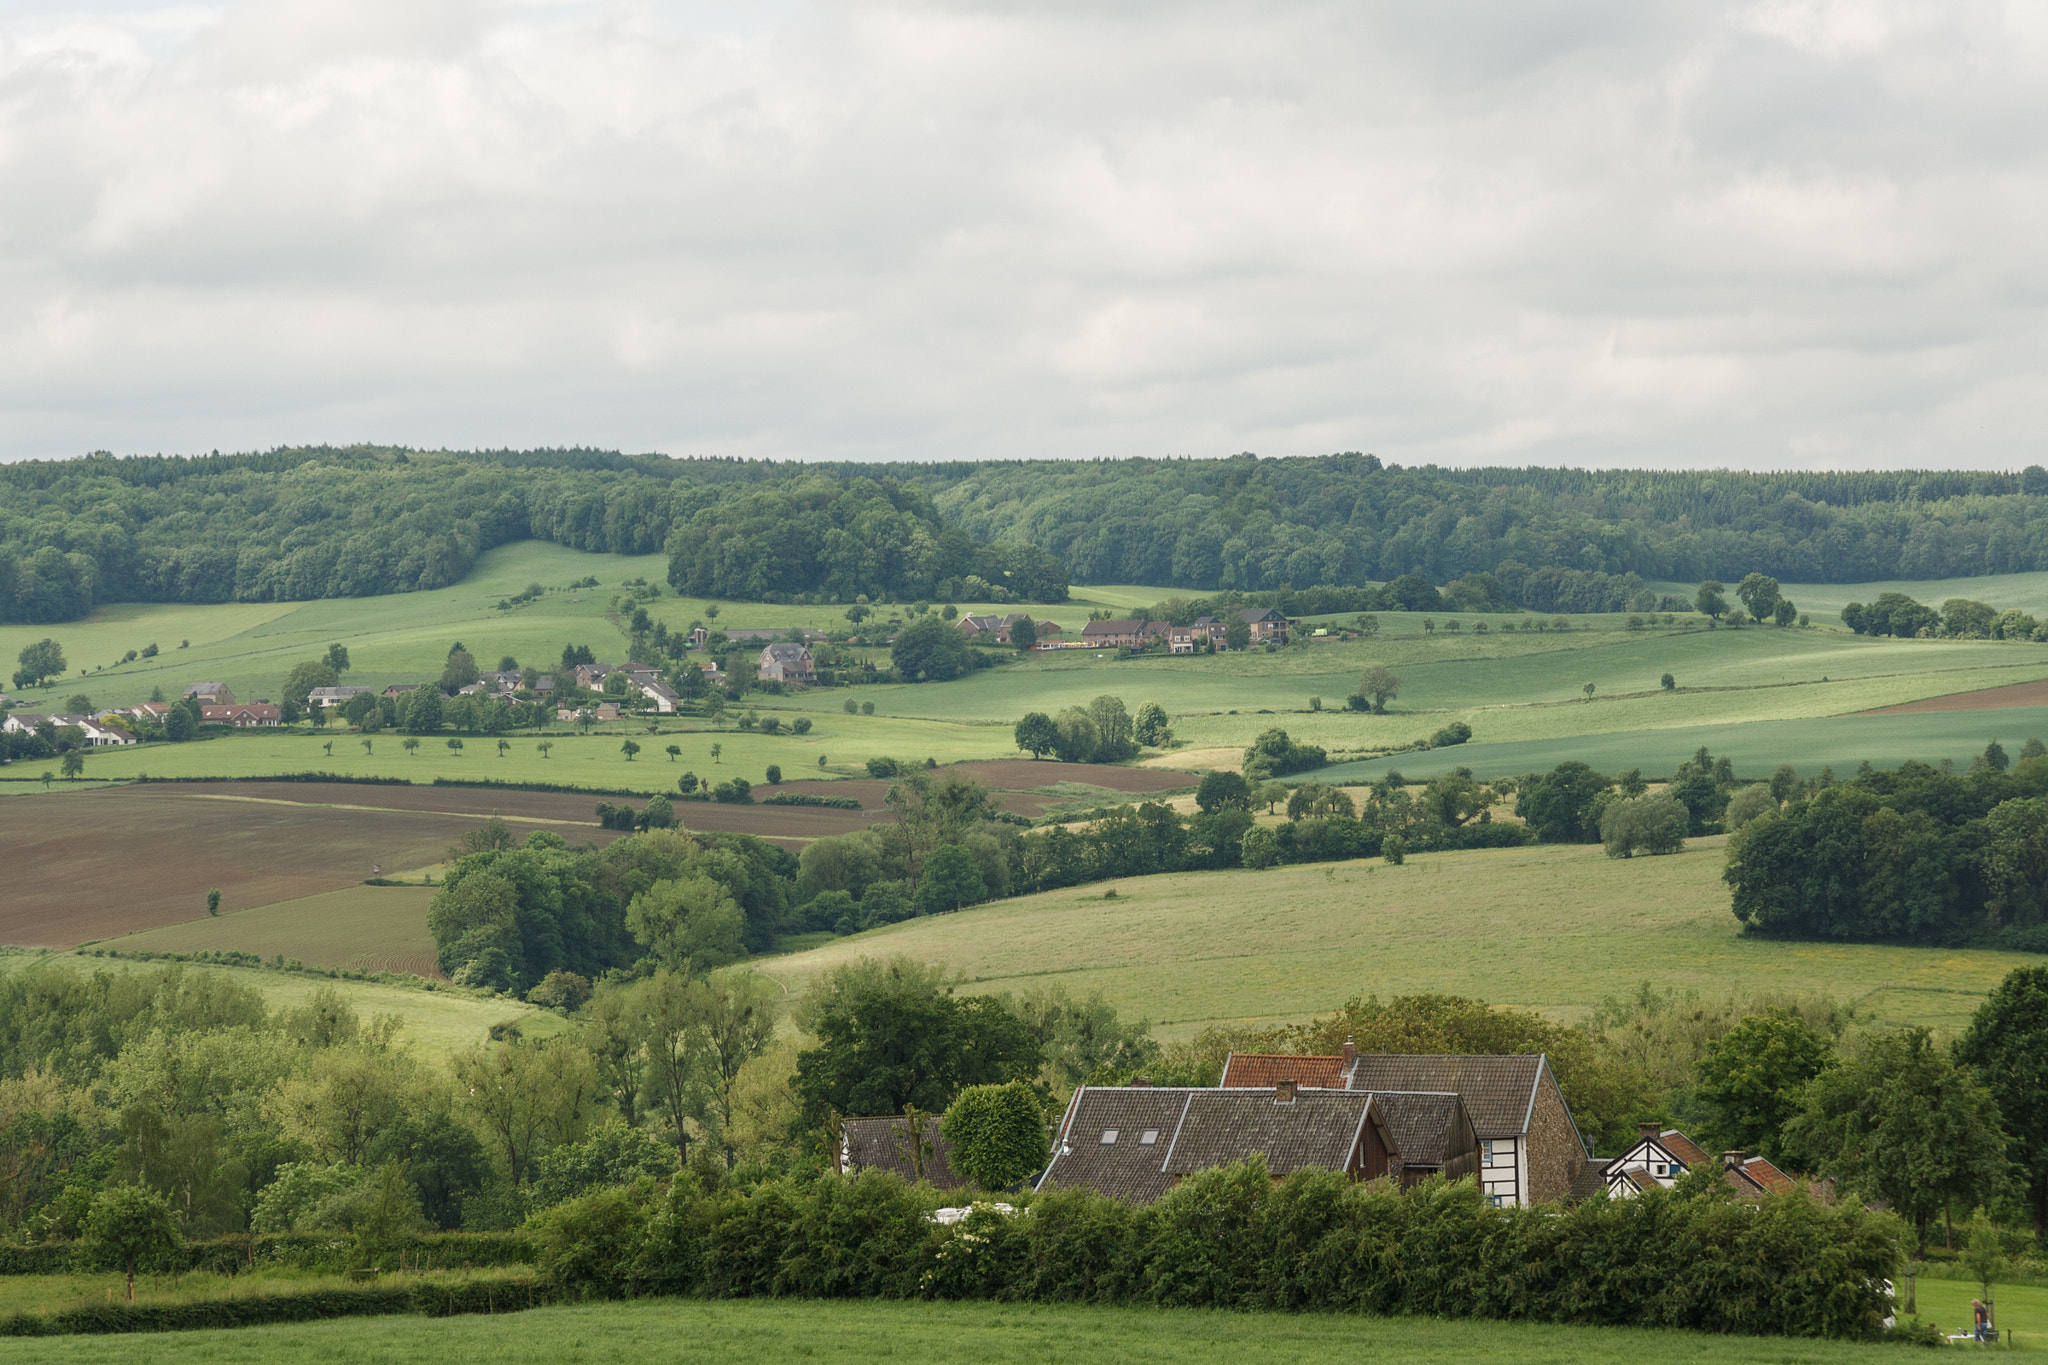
(1644, 824)
(997, 1134)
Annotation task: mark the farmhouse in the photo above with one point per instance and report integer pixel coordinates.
(1530, 1149)
(1136, 1142)
(211, 694)
(977, 627)
(1661, 1155)
(245, 715)
(786, 663)
(151, 710)
(324, 696)
(1111, 634)
(1266, 624)
(97, 736)
(883, 1144)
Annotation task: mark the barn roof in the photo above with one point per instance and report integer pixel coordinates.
(1246, 1069)
(1316, 1128)
(883, 1144)
(1102, 1141)
(1499, 1091)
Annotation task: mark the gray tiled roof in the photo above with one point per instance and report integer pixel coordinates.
(1498, 1091)
(1422, 1126)
(883, 1144)
(1318, 1128)
(1128, 1168)
(1591, 1180)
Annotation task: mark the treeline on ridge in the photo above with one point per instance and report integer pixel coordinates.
(319, 522)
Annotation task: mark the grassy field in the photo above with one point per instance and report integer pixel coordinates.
(369, 928)
(2021, 1309)
(1823, 601)
(1551, 928)
(44, 1294)
(437, 1023)
(735, 1333)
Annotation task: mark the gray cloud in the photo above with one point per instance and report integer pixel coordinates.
(1793, 232)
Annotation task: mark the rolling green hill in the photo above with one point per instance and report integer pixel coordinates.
(1551, 928)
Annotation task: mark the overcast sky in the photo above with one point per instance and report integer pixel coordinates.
(1775, 234)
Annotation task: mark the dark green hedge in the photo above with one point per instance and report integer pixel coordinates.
(321, 1251)
(433, 1300)
(1233, 1238)
(807, 799)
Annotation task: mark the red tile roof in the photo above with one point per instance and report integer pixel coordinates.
(1255, 1070)
(1683, 1147)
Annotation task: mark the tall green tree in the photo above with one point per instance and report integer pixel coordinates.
(997, 1134)
(1035, 733)
(1759, 592)
(43, 659)
(1900, 1121)
(2006, 1046)
(1755, 1078)
(1709, 601)
(883, 1048)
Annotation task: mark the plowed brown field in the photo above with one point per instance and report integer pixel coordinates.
(1988, 699)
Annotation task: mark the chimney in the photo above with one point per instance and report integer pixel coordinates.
(1731, 1161)
(1350, 1055)
(1141, 1082)
(1651, 1130)
(1283, 1092)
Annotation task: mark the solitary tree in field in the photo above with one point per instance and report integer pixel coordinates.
(409, 745)
(1379, 684)
(503, 745)
(1709, 600)
(74, 763)
(328, 748)
(213, 901)
(674, 752)
(43, 659)
(366, 747)
(629, 748)
(1035, 734)
(48, 778)
(716, 750)
(128, 1224)
(1759, 592)
(544, 746)
(456, 746)
(1588, 690)
(1667, 682)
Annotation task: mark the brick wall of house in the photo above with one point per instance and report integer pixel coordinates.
(1555, 1156)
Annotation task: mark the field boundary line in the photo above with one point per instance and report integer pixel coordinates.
(381, 810)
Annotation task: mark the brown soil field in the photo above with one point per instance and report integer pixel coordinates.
(1988, 699)
(373, 928)
(98, 864)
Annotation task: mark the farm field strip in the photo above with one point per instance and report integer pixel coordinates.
(1551, 928)
(367, 928)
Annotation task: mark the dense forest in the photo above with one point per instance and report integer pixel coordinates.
(323, 522)
(1915, 855)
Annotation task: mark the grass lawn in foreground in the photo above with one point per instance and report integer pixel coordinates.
(43, 1294)
(2023, 1309)
(776, 1332)
(1554, 928)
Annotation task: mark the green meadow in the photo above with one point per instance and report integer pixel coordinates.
(780, 1330)
(1552, 928)
(438, 1023)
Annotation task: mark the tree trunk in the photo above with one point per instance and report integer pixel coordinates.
(2040, 1193)
(131, 1279)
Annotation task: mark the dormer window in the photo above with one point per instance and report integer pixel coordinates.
(1109, 1137)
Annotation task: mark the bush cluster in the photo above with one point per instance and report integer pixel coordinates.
(1234, 1238)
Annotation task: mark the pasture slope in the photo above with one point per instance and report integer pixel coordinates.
(364, 928)
(437, 1023)
(1553, 928)
(775, 1331)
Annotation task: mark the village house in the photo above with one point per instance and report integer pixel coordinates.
(96, 735)
(1530, 1149)
(1136, 1142)
(787, 663)
(883, 1144)
(977, 627)
(397, 690)
(329, 697)
(246, 715)
(211, 694)
(1266, 625)
(1112, 634)
(1661, 1155)
(151, 710)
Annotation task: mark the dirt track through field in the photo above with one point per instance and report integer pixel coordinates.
(1987, 699)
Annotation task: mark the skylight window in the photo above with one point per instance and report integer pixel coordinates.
(1148, 1137)
(1109, 1137)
